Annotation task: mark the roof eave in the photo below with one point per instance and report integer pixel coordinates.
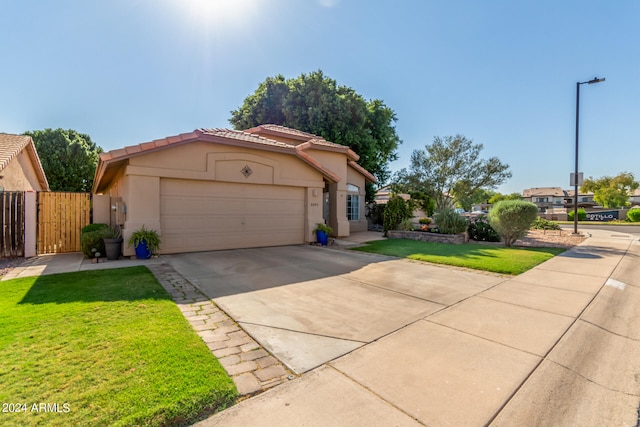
(368, 175)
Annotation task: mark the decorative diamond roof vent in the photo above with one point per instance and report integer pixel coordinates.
(246, 171)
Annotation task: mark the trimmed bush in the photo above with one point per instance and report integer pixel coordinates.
(545, 224)
(91, 237)
(481, 231)
(406, 225)
(512, 219)
(582, 214)
(449, 221)
(396, 211)
(634, 215)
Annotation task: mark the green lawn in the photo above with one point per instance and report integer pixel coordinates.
(497, 259)
(107, 347)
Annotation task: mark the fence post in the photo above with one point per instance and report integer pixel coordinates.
(30, 223)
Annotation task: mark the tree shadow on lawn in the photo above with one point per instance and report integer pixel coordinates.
(471, 250)
(126, 284)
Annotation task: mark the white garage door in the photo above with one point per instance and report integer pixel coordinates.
(202, 215)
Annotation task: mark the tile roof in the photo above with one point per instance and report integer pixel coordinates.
(12, 145)
(277, 129)
(226, 134)
(543, 191)
(249, 138)
(245, 136)
(310, 140)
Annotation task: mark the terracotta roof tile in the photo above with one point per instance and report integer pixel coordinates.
(298, 134)
(543, 191)
(148, 146)
(244, 136)
(134, 149)
(12, 145)
(235, 137)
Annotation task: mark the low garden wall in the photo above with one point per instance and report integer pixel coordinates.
(428, 237)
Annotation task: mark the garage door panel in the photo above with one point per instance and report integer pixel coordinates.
(200, 215)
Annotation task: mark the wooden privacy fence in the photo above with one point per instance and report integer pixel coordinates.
(61, 216)
(12, 218)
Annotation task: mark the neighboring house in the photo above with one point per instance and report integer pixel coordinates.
(383, 195)
(20, 167)
(585, 200)
(634, 198)
(545, 197)
(555, 197)
(216, 189)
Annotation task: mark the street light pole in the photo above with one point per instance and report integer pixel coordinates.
(575, 176)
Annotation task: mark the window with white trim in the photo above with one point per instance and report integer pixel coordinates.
(353, 202)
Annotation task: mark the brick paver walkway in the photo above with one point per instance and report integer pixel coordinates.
(252, 368)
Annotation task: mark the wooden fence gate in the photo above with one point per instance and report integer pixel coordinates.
(61, 216)
(12, 219)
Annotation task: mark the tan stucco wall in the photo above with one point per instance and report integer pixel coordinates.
(137, 187)
(356, 178)
(20, 175)
(101, 209)
(336, 163)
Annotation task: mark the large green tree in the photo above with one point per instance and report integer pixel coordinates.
(316, 104)
(69, 158)
(451, 169)
(611, 192)
(497, 197)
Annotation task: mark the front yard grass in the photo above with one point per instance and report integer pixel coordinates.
(497, 259)
(105, 347)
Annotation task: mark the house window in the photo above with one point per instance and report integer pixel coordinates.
(353, 202)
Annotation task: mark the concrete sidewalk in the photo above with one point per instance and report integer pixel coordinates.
(69, 262)
(558, 345)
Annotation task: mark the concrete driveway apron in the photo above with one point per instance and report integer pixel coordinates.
(309, 305)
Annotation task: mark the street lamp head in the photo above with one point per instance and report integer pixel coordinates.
(595, 80)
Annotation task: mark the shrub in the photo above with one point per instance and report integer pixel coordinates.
(396, 211)
(449, 221)
(91, 237)
(634, 215)
(425, 221)
(545, 224)
(582, 214)
(375, 213)
(405, 225)
(480, 230)
(512, 219)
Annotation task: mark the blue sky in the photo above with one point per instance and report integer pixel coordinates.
(502, 73)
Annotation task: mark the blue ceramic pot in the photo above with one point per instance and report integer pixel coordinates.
(142, 251)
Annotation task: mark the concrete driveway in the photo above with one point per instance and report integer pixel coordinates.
(309, 305)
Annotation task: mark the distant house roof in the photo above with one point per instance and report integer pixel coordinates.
(12, 145)
(111, 161)
(543, 191)
(570, 193)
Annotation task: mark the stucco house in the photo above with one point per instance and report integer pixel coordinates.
(555, 197)
(216, 189)
(20, 166)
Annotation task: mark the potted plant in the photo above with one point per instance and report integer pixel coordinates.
(112, 242)
(145, 242)
(322, 233)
